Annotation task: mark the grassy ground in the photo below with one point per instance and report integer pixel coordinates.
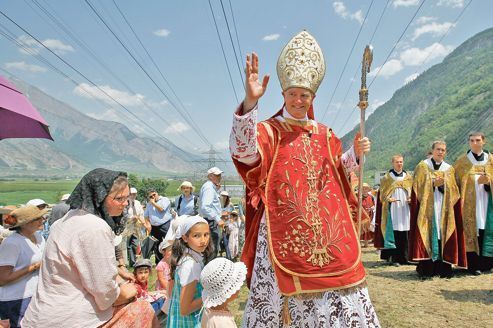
(403, 300)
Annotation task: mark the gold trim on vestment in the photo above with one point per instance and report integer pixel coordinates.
(465, 173)
(269, 235)
(387, 187)
(423, 187)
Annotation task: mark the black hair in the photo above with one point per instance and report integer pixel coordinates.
(180, 247)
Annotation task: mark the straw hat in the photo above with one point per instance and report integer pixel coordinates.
(23, 215)
(186, 184)
(221, 279)
(65, 197)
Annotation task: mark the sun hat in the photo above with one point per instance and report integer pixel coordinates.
(23, 215)
(163, 245)
(187, 223)
(142, 262)
(36, 202)
(187, 184)
(221, 279)
(214, 170)
(133, 190)
(7, 209)
(65, 197)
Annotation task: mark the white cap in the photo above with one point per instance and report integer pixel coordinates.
(224, 193)
(214, 170)
(133, 190)
(36, 202)
(65, 197)
(221, 279)
(164, 244)
(187, 224)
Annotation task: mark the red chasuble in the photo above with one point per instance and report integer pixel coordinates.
(309, 207)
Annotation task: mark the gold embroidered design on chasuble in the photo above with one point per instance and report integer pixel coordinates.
(306, 236)
(465, 172)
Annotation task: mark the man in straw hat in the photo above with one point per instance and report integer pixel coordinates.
(301, 234)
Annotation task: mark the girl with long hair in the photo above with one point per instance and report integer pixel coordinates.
(191, 251)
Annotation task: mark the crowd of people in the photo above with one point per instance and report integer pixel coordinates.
(88, 241)
(296, 228)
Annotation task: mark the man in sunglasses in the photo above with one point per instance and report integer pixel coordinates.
(158, 212)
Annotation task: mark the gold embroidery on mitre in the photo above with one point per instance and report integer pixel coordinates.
(301, 63)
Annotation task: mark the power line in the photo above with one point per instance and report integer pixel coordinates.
(358, 69)
(62, 26)
(396, 43)
(224, 53)
(232, 43)
(347, 60)
(137, 62)
(236, 33)
(193, 123)
(90, 81)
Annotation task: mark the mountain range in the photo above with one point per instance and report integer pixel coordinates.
(82, 142)
(447, 101)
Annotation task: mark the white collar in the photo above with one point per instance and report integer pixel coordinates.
(286, 114)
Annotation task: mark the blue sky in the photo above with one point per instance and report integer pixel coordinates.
(182, 40)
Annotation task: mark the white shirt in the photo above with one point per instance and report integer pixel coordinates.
(481, 194)
(19, 252)
(190, 267)
(399, 211)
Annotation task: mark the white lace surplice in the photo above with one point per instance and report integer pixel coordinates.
(264, 307)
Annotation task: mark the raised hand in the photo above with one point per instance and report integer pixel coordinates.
(253, 88)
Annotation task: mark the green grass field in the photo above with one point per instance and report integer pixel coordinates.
(20, 191)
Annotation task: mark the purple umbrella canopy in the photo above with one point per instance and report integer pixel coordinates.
(18, 117)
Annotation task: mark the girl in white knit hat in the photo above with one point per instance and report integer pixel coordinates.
(221, 280)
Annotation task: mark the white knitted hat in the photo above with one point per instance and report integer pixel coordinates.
(221, 279)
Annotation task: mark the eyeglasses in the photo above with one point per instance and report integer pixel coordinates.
(121, 199)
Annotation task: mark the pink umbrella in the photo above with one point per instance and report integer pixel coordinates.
(18, 118)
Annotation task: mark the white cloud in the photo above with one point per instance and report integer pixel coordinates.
(177, 127)
(221, 145)
(358, 16)
(31, 46)
(412, 57)
(411, 78)
(124, 98)
(375, 104)
(417, 56)
(425, 19)
(58, 46)
(23, 66)
(271, 37)
(162, 32)
(341, 10)
(433, 28)
(390, 68)
(451, 3)
(404, 3)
